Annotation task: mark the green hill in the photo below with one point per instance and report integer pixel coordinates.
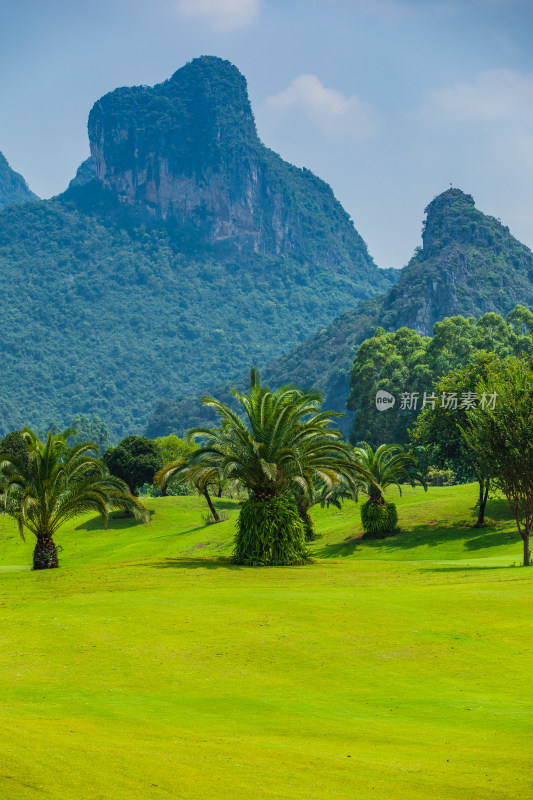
(469, 264)
(182, 251)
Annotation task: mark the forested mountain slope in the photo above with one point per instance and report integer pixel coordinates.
(468, 264)
(183, 250)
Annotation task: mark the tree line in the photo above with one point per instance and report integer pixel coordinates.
(283, 454)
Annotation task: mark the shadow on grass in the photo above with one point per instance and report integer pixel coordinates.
(117, 521)
(473, 567)
(186, 562)
(225, 503)
(432, 535)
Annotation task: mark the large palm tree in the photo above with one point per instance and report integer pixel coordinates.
(52, 483)
(282, 442)
(283, 439)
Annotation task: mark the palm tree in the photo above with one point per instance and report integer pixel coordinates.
(389, 465)
(200, 476)
(52, 483)
(282, 443)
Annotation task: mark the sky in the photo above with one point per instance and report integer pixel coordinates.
(389, 101)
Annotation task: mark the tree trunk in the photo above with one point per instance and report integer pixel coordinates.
(211, 506)
(45, 554)
(527, 557)
(482, 502)
(309, 528)
(376, 498)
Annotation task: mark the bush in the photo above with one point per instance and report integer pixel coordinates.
(269, 534)
(378, 521)
(135, 460)
(441, 477)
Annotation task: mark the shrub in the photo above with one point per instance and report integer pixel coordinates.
(378, 520)
(269, 533)
(441, 477)
(134, 460)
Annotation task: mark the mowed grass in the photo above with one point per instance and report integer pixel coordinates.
(149, 666)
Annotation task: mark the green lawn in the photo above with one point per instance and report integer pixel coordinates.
(148, 666)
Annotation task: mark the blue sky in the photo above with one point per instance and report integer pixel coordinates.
(390, 101)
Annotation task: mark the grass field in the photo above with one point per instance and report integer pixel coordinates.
(148, 666)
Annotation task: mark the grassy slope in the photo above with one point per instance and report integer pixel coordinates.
(145, 669)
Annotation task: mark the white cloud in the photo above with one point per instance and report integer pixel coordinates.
(497, 95)
(334, 113)
(224, 15)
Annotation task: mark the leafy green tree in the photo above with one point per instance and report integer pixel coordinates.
(501, 438)
(396, 362)
(438, 426)
(51, 483)
(283, 440)
(91, 430)
(135, 460)
(16, 444)
(174, 448)
(407, 365)
(175, 452)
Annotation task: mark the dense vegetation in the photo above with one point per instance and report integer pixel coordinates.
(113, 301)
(406, 364)
(106, 318)
(469, 265)
(135, 460)
(501, 438)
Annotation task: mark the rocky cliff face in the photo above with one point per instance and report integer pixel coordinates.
(469, 264)
(13, 187)
(183, 251)
(85, 173)
(187, 151)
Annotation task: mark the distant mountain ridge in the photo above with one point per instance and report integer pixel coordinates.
(468, 264)
(13, 187)
(182, 250)
(187, 151)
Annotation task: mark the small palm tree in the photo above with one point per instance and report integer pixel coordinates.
(389, 465)
(52, 483)
(200, 476)
(283, 443)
